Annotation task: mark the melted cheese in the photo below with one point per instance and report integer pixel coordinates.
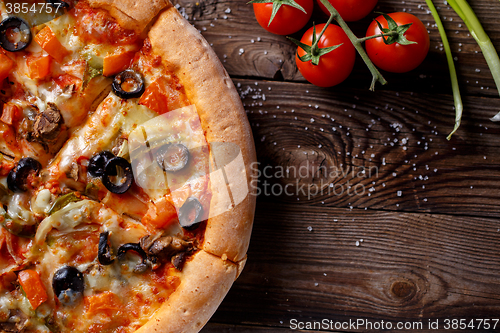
(177, 126)
(129, 287)
(57, 241)
(41, 204)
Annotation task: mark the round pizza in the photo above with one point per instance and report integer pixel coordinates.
(125, 164)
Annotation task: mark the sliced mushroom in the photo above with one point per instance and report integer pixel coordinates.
(73, 172)
(166, 248)
(8, 327)
(48, 124)
(147, 241)
(179, 259)
(18, 321)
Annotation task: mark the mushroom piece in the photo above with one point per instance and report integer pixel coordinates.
(164, 247)
(18, 321)
(179, 259)
(48, 124)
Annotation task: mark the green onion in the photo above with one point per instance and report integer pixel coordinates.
(451, 66)
(470, 19)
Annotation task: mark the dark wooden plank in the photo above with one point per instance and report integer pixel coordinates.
(399, 139)
(225, 328)
(231, 28)
(310, 263)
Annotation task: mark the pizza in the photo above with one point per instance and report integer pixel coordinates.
(125, 164)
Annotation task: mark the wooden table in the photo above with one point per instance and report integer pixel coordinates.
(417, 236)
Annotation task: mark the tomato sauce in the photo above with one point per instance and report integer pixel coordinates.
(97, 26)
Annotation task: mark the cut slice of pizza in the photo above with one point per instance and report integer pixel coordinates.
(125, 173)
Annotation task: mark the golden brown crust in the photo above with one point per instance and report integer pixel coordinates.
(205, 281)
(207, 277)
(241, 264)
(131, 14)
(223, 118)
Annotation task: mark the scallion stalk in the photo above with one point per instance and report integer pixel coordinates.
(457, 99)
(463, 9)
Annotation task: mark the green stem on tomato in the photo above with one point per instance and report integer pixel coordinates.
(314, 46)
(388, 34)
(463, 9)
(376, 76)
(457, 99)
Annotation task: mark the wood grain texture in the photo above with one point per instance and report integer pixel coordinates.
(416, 236)
(397, 139)
(304, 263)
(228, 328)
(246, 49)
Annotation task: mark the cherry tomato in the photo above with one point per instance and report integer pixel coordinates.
(397, 58)
(350, 10)
(288, 19)
(335, 66)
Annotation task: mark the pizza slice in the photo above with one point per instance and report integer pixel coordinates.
(125, 170)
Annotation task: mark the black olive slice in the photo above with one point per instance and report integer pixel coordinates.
(128, 84)
(16, 180)
(122, 182)
(136, 247)
(68, 285)
(15, 34)
(104, 251)
(98, 162)
(173, 157)
(58, 3)
(190, 213)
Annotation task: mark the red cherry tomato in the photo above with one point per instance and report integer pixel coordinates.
(333, 67)
(350, 10)
(397, 58)
(288, 19)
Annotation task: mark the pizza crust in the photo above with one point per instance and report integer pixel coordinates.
(207, 85)
(132, 14)
(208, 275)
(205, 281)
